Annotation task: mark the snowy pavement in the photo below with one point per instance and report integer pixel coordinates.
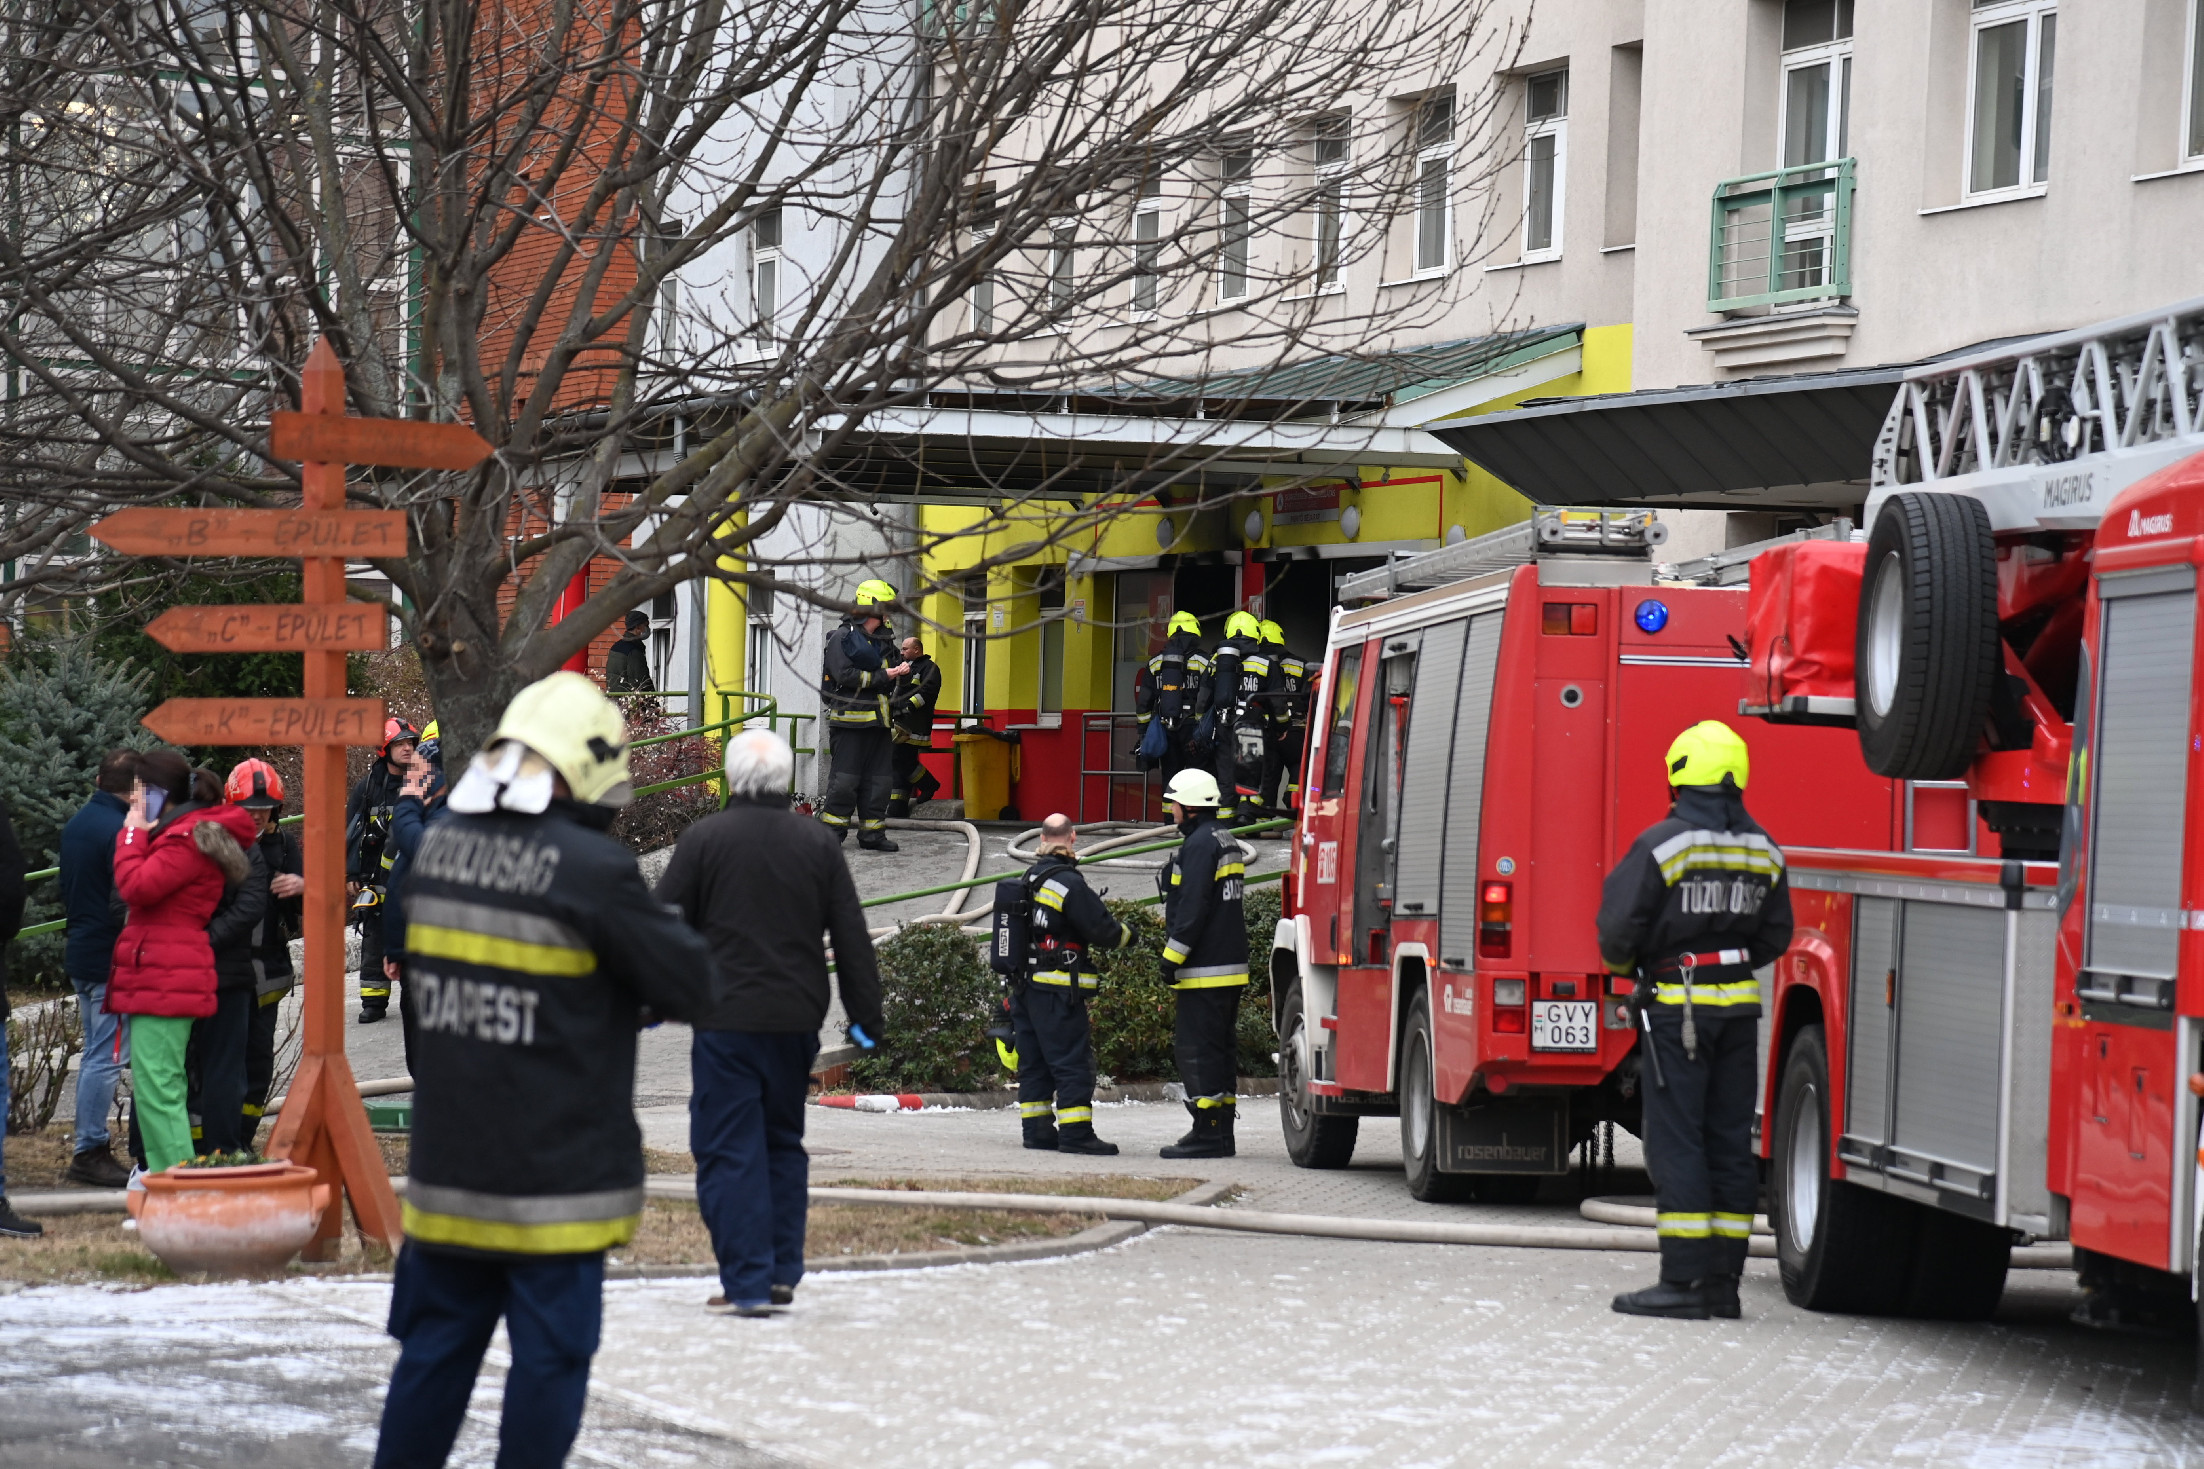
(1180, 1347)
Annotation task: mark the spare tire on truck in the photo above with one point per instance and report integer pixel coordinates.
(1927, 653)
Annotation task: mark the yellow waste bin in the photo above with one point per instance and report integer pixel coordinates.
(984, 771)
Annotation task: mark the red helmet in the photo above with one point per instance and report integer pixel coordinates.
(253, 783)
(395, 730)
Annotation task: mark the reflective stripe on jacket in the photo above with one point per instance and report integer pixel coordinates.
(1205, 932)
(1069, 919)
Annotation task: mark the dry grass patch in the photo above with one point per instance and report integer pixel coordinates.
(38, 1160)
(79, 1249)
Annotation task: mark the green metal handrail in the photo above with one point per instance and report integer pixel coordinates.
(1737, 279)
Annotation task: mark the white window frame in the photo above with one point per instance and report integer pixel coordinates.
(2192, 87)
(972, 672)
(1235, 224)
(765, 273)
(1063, 265)
(1331, 204)
(1434, 159)
(983, 304)
(1555, 127)
(1147, 273)
(760, 653)
(1988, 17)
(1800, 229)
(1049, 654)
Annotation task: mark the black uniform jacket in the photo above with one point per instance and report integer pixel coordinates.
(1171, 683)
(912, 703)
(367, 824)
(763, 885)
(1706, 880)
(533, 949)
(234, 932)
(855, 686)
(1205, 934)
(1068, 920)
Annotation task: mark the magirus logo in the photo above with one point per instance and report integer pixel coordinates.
(2139, 524)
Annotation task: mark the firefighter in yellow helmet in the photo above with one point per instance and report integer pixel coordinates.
(1165, 693)
(1232, 715)
(535, 952)
(1698, 903)
(1285, 722)
(862, 665)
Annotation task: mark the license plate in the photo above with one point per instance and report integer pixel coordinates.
(1564, 1025)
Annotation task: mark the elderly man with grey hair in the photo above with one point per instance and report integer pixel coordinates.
(767, 888)
(1048, 1003)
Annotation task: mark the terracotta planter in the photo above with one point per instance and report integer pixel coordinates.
(245, 1222)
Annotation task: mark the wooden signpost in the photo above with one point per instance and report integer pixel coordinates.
(322, 1123)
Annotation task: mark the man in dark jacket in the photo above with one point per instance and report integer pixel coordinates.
(538, 952)
(1205, 961)
(420, 803)
(1048, 1006)
(763, 883)
(1238, 672)
(861, 670)
(911, 707)
(627, 662)
(13, 892)
(367, 857)
(215, 1059)
(88, 900)
(1699, 902)
(256, 786)
(1168, 688)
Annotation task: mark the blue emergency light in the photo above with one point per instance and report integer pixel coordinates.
(1652, 615)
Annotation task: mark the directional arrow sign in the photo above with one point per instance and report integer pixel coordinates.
(357, 534)
(394, 443)
(268, 721)
(346, 627)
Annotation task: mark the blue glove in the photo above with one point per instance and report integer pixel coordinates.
(857, 1034)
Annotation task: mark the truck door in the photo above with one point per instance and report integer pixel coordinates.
(2129, 1074)
(1331, 816)
(1378, 821)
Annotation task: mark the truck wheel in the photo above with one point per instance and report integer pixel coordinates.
(1419, 1115)
(1959, 1267)
(1312, 1141)
(1840, 1247)
(1926, 653)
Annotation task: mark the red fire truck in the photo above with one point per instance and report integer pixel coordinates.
(1971, 1049)
(1481, 751)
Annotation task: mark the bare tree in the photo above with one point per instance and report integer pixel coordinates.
(549, 220)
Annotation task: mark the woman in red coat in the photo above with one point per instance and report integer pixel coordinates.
(179, 847)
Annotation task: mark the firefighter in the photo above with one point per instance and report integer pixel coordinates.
(911, 707)
(1232, 713)
(367, 857)
(536, 952)
(1205, 960)
(1048, 1010)
(861, 670)
(258, 787)
(1286, 728)
(1697, 904)
(1167, 689)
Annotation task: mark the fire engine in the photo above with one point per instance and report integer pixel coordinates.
(1972, 1048)
(1486, 741)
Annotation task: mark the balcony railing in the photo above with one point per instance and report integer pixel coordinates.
(1782, 236)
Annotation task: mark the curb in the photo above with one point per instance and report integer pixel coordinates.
(1142, 1091)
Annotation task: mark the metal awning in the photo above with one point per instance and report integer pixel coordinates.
(1778, 443)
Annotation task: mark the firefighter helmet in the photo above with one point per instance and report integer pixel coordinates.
(1703, 754)
(397, 731)
(1273, 633)
(1183, 622)
(874, 592)
(255, 785)
(1243, 625)
(561, 725)
(1192, 788)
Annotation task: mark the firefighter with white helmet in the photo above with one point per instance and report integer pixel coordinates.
(535, 951)
(862, 665)
(1698, 903)
(1205, 961)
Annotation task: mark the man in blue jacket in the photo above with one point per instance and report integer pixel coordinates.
(87, 897)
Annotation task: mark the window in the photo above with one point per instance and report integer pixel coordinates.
(2009, 136)
(1237, 175)
(765, 271)
(983, 304)
(759, 653)
(1330, 149)
(1816, 127)
(975, 646)
(1339, 738)
(1147, 254)
(1061, 281)
(2193, 143)
(1434, 166)
(1050, 709)
(1545, 156)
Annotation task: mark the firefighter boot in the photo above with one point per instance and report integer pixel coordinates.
(1040, 1135)
(1211, 1138)
(1078, 1137)
(1722, 1296)
(372, 1011)
(1677, 1300)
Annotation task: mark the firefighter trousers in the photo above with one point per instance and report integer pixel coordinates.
(374, 984)
(1205, 1044)
(863, 774)
(1055, 1056)
(1698, 1141)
